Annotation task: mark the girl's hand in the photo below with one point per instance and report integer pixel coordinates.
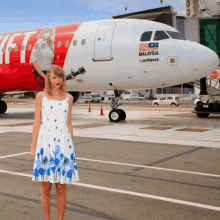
(32, 153)
(32, 157)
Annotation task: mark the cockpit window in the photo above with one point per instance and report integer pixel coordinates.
(176, 35)
(160, 35)
(146, 36)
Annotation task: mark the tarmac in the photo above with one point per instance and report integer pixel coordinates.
(161, 163)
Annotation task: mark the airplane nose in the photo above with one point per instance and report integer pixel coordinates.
(203, 59)
(209, 58)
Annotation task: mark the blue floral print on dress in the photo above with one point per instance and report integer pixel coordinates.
(66, 161)
(70, 174)
(61, 156)
(38, 163)
(48, 172)
(36, 173)
(42, 151)
(42, 171)
(44, 160)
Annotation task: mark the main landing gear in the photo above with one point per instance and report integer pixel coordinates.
(3, 106)
(116, 115)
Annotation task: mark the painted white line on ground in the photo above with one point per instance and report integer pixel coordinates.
(151, 139)
(158, 137)
(14, 155)
(131, 165)
(198, 205)
(150, 167)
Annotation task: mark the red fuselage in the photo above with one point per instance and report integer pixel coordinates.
(16, 71)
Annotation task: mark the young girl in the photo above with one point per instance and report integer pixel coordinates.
(52, 145)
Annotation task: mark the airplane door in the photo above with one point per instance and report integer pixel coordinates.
(103, 42)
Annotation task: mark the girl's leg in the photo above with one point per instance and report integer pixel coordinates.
(45, 199)
(61, 200)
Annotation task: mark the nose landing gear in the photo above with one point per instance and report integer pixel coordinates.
(116, 115)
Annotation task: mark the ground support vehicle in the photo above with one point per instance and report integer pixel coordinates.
(203, 110)
(211, 95)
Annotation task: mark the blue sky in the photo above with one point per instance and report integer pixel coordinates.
(27, 14)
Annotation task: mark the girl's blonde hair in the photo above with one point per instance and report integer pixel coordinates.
(58, 71)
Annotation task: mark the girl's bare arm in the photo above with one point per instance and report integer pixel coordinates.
(37, 68)
(37, 121)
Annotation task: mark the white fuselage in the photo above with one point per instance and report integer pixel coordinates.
(111, 54)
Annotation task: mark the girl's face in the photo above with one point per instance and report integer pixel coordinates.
(56, 81)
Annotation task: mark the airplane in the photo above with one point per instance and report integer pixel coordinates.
(119, 54)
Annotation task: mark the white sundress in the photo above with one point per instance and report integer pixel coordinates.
(55, 156)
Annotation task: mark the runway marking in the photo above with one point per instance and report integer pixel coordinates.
(182, 202)
(132, 165)
(14, 155)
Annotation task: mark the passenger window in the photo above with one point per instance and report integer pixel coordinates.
(74, 42)
(67, 43)
(59, 44)
(176, 35)
(160, 35)
(83, 42)
(3, 49)
(16, 48)
(29, 47)
(169, 98)
(146, 36)
(163, 98)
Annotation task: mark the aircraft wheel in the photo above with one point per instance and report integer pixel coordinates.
(115, 115)
(3, 107)
(123, 114)
(202, 115)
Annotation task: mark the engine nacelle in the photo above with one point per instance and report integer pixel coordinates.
(76, 96)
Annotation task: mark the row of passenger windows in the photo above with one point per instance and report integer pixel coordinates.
(162, 35)
(59, 44)
(146, 36)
